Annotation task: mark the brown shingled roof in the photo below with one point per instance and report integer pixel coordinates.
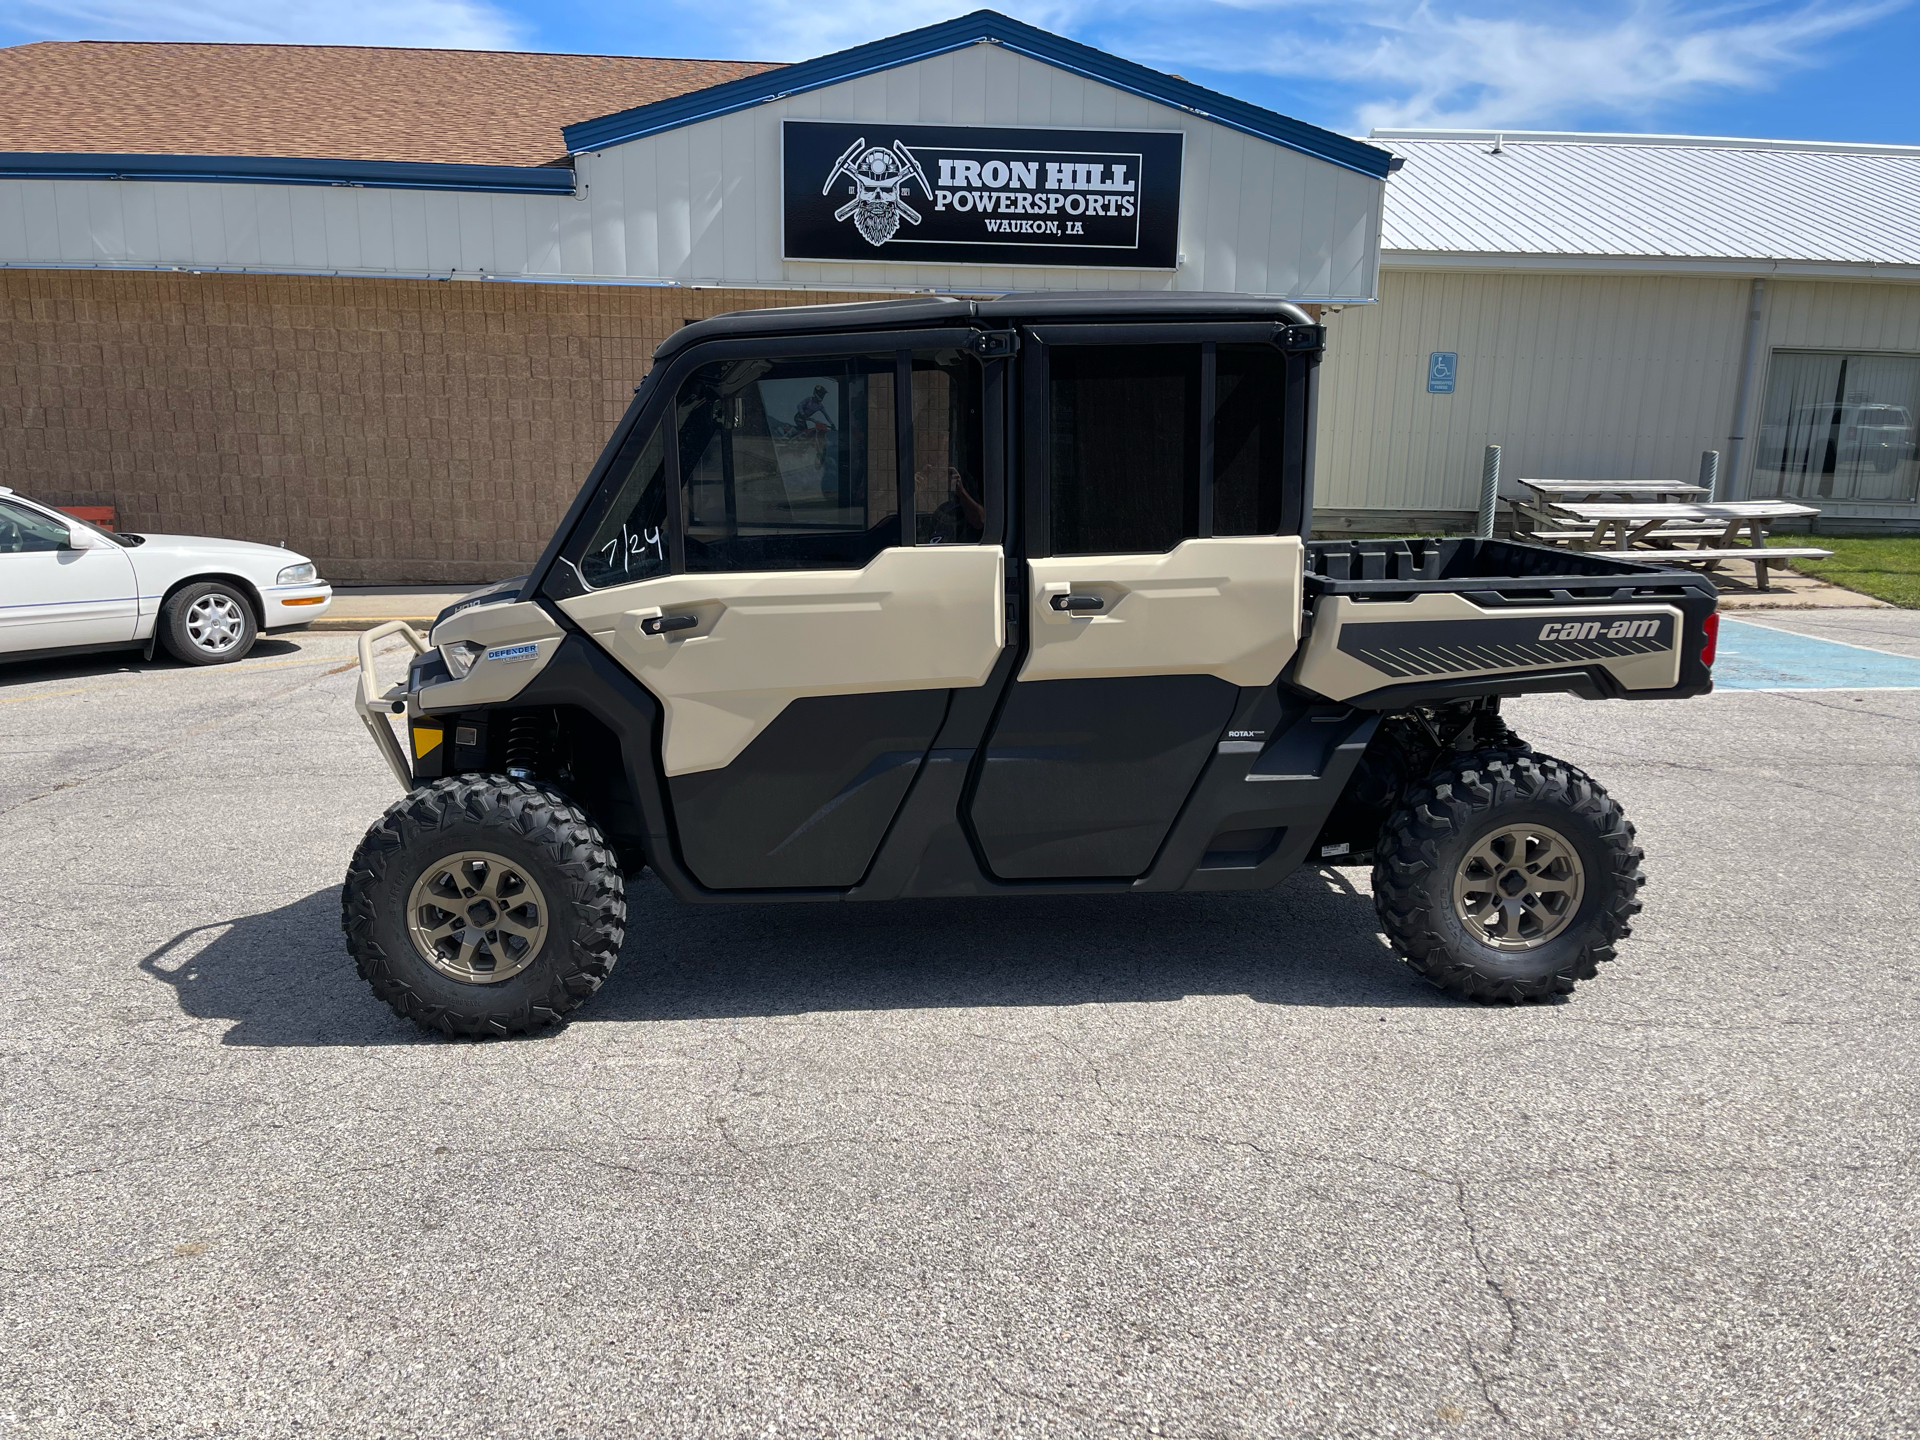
(330, 102)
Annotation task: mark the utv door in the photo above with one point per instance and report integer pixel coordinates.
(1163, 483)
(750, 566)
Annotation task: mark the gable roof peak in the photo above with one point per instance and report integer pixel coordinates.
(978, 27)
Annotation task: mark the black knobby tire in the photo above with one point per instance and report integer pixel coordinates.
(1429, 837)
(178, 621)
(537, 830)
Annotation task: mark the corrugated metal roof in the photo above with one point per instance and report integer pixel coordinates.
(1656, 197)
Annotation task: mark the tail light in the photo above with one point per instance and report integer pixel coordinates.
(1712, 627)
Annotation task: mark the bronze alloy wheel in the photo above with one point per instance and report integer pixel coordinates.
(1518, 886)
(477, 918)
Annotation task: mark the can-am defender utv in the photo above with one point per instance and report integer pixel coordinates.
(942, 597)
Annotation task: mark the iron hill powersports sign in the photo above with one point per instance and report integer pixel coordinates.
(980, 195)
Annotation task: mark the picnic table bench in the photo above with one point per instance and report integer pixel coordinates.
(1538, 517)
(1661, 528)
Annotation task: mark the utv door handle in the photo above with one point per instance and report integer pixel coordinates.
(666, 624)
(1078, 602)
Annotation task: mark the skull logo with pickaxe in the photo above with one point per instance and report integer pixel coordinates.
(878, 175)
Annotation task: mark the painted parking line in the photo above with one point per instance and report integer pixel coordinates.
(1759, 657)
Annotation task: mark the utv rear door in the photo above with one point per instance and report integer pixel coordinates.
(799, 559)
(1163, 482)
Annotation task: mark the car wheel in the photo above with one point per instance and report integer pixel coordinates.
(207, 624)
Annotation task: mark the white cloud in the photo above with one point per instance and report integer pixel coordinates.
(1464, 63)
(1437, 64)
(802, 29)
(449, 24)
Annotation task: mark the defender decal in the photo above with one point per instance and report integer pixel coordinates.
(1405, 649)
(513, 652)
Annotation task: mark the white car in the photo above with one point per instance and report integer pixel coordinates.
(66, 585)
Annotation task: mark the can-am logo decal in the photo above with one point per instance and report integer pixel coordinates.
(1599, 630)
(980, 194)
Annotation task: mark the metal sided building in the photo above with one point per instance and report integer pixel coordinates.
(1611, 306)
(233, 275)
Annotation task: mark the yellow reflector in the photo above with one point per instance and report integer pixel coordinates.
(426, 739)
(304, 600)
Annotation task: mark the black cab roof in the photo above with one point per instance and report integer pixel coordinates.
(1035, 307)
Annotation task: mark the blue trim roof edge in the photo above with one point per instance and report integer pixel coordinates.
(293, 170)
(994, 28)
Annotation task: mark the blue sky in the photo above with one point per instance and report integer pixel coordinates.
(1842, 70)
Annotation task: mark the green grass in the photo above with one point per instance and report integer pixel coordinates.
(1886, 567)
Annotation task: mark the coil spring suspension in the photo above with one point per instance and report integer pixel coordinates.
(529, 745)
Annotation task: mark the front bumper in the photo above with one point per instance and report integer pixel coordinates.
(295, 604)
(374, 705)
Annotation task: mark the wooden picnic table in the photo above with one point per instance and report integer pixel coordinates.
(1557, 490)
(1538, 516)
(1639, 532)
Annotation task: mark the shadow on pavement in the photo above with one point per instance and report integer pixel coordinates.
(283, 977)
(124, 662)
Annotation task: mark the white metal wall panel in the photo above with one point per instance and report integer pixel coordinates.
(700, 205)
(1580, 377)
(1584, 377)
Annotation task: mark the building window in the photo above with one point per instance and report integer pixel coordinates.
(1840, 427)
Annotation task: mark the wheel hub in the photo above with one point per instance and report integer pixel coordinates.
(477, 917)
(1518, 886)
(214, 623)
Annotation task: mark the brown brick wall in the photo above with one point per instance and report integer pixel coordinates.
(396, 430)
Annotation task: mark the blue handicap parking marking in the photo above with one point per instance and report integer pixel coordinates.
(1759, 657)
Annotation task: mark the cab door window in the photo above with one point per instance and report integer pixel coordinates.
(631, 542)
(1151, 444)
(1249, 427)
(1124, 448)
(789, 465)
(949, 488)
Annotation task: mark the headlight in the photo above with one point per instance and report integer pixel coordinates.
(460, 656)
(297, 575)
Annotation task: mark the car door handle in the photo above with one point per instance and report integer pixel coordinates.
(1078, 602)
(666, 624)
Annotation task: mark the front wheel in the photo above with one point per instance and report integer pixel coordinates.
(207, 623)
(481, 905)
(1507, 877)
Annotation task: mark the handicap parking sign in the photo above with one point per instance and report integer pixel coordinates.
(1442, 366)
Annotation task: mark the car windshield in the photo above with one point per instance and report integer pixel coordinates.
(76, 522)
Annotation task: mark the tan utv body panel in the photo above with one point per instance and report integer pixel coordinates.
(495, 677)
(1467, 641)
(1228, 607)
(928, 617)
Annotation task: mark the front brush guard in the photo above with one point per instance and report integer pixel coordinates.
(374, 711)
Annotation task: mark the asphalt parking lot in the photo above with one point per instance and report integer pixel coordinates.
(1196, 1166)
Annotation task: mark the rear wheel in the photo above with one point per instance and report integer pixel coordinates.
(207, 623)
(482, 905)
(1507, 876)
